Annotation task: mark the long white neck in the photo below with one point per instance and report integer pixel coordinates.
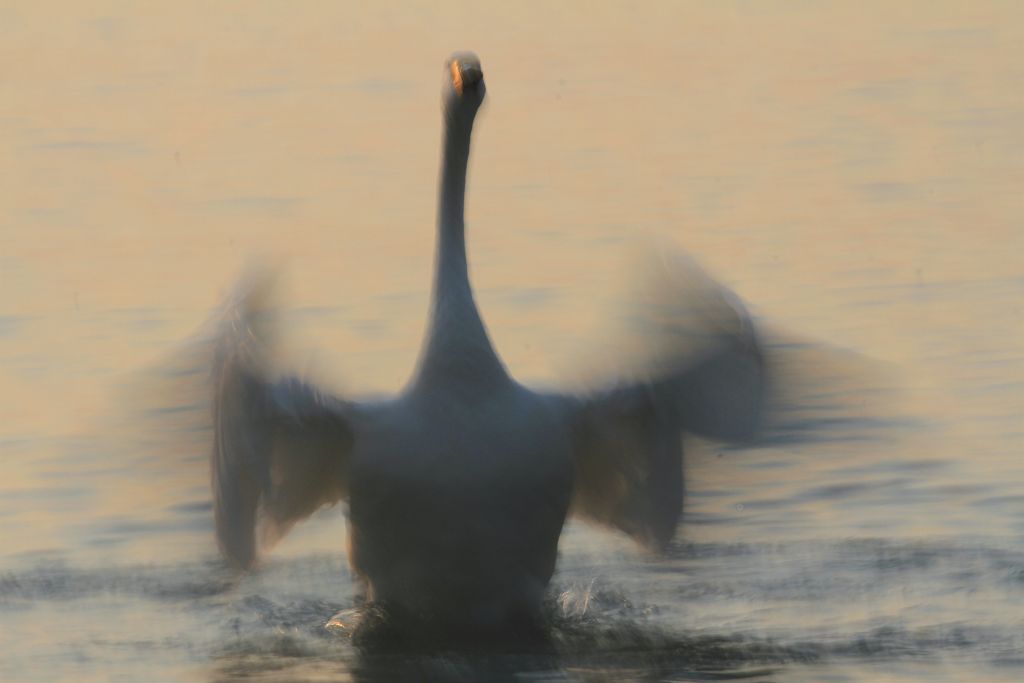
(457, 351)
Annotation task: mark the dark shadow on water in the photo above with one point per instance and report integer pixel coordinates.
(272, 628)
(597, 634)
(375, 644)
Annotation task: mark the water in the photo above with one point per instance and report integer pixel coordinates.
(853, 172)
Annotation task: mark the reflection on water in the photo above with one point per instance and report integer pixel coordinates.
(853, 172)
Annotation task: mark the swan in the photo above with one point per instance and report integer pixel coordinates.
(458, 487)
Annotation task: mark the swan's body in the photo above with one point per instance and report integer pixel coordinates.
(458, 487)
(457, 502)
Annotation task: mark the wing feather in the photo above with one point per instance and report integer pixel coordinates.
(706, 376)
(627, 455)
(280, 446)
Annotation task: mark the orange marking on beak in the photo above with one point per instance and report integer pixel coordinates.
(456, 76)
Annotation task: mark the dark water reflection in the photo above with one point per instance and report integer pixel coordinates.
(271, 626)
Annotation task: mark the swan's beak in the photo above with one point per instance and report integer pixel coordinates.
(466, 74)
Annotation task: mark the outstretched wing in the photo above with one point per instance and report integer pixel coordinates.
(706, 376)
(629, 469)
(280, 446)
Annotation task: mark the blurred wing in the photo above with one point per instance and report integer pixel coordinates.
(280, 447)
(627, 453)
(706, 375)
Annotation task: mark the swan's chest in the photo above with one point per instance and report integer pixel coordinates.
(456, 504)
(441, 441)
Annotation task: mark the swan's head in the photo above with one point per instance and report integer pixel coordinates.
(464, 89)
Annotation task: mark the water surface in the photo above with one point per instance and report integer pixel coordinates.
(853, 172)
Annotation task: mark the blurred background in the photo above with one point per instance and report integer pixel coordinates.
(852, 171)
